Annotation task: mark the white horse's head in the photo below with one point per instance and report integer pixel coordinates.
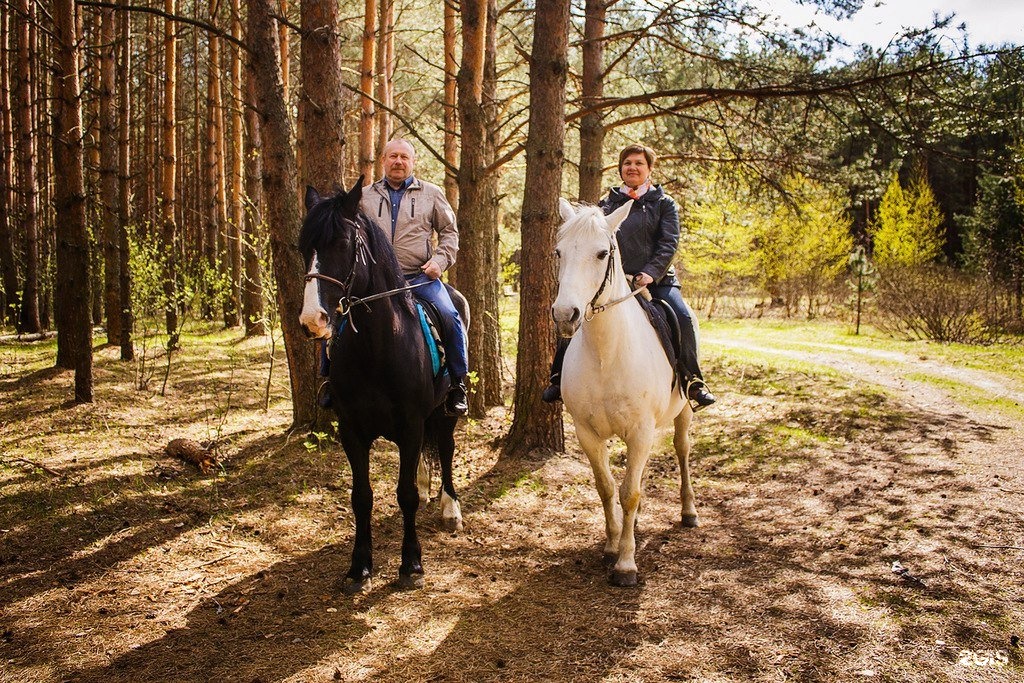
(587, 265)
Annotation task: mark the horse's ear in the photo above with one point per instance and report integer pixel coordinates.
(352, 198)
(565, 210)
(312, 197)
(615, 218)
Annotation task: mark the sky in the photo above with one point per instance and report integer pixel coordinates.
(988, 21)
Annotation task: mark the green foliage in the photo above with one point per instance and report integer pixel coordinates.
(908, 229)
(794, 249)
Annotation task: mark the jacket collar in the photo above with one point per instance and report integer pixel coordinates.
(617, 197)
(381, 186)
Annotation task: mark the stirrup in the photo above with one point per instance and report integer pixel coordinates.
(695, 406)
(323, 395)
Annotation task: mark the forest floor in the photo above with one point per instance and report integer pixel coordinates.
(827, 458)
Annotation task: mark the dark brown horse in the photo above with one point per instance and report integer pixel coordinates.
(382, 380)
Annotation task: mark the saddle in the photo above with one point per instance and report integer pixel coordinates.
(430, 323)
(666, 324)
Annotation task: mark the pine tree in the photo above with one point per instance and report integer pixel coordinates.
(908, 227)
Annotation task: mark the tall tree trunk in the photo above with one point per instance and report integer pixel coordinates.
(286, 60)
(26, 151)
(451, 105)
(124, 208)
(478, 190)
(385, 86)
(592, 125)
(9, 300)
(252, 284)
(74, 329)
(366, 116)
(108, 179)
(322, 105)
(538, 425)
(234, 226)
(168, 194)
(211, 208)
(282, 211)
(151, 139)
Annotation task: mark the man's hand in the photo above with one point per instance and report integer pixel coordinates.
(642, 279)
(432, 270)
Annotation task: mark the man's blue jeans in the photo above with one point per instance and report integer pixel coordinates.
(451, 321)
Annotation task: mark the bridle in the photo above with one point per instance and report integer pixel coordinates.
(593, 308)
(361, 255)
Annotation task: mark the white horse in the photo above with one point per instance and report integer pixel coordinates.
(616, 379)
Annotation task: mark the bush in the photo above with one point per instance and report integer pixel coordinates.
(942, 304)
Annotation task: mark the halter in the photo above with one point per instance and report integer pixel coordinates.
(347, 302)
(592, 308)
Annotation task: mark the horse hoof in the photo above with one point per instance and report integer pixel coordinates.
(352, 587)
(609, 559)
(451, 524)
(409, 582)
(623, 579)
(691, 521)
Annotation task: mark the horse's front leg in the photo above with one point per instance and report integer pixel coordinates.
(451, 511)
(681, 441)
(358, 578)
(410, 573)
(596, 449)
(638, 450)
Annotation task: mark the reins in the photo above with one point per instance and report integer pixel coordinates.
(347, 302)
(592, 309)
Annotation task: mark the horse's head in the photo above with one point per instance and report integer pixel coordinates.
(587, 264)
(330, 245)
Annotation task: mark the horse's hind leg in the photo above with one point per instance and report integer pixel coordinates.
(451, 511)
(410, 573)
(681, 441)
(638, 450)
(596, 449)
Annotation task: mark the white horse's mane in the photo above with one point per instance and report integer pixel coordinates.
(589, 220)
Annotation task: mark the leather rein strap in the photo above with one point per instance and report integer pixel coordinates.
(592, 308)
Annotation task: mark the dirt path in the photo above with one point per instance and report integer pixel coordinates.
(132, 567)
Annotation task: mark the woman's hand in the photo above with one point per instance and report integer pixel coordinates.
(642, 279)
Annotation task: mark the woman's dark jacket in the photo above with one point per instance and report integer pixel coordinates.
(650, 234)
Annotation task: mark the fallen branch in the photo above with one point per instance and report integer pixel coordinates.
(193, 453)
(44, 468)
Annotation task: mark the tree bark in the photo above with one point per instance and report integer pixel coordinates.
(591, 124)
(323, 110)
(74, 329)
(385, 85)
(478, 190)
(282, 211)
(252, 283)
(151, 132)
(23, 96)
(538, 425)
(451, 105)
(167, 198)
(124, 183)
(9, 299)
(108, 179)
(366, 116)
(234, 225)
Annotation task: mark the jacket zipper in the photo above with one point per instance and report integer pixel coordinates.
(413, 199)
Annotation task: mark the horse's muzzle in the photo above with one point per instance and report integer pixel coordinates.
(567, 320)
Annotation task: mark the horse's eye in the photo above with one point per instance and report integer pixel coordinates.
(602, 255)
(558, 254)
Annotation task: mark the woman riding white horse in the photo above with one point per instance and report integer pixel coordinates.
(616, 379)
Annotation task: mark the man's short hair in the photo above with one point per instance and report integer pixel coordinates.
(630, 150)
(404, 141)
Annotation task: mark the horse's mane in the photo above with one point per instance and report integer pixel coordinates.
(588, 221)
(325, 222)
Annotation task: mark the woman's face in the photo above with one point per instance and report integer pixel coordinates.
(634, 170)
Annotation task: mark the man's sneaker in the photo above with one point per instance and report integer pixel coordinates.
(456, 403)
(698, 392)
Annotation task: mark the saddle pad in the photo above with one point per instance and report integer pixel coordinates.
(658, 313)
(433, 339)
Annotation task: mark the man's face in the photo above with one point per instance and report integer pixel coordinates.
(399, 160)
